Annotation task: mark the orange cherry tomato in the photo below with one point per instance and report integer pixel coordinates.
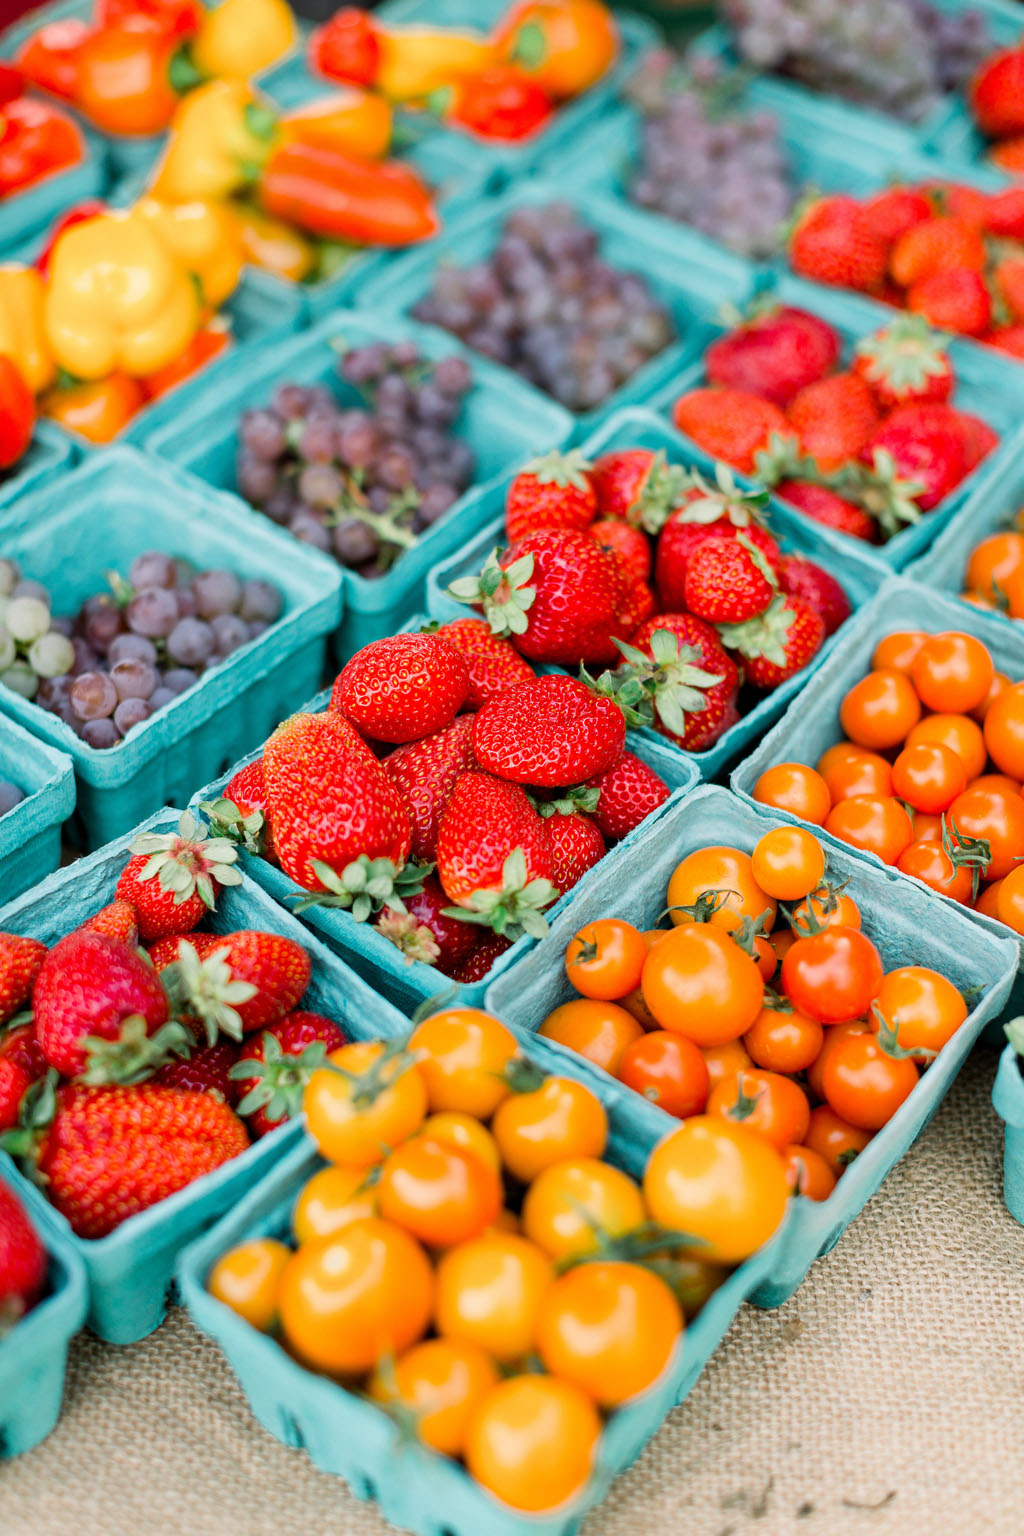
(928, 777)
(880, 710)
(728, 871)
(992, 563)
(782, 942)
(357, 1119)
(441, 1382)
(877, 825)
(465, 1132)
(999, 684)
(928, 861)
(827, 908)
(1000, 781)
(464, 1056)
(766, 959)
(123, 83)
(724, 1060)
(796, 788)
(927, 829)
(610, 1328)
(832, 976)
(532, 1441)
(248, 1280)
(959, 733)
(571, 1205)
(897, 651)
(722, 1184)
(995, 817)
(635, 1004)
(333, 1198)
(97, 410)
(348, 1300)
(766, 1102)
(864, 1084)
(834, 1033)
(604, 959)
(788, 863)
(855, 771)
(597, 1030)
(559, 1119)
(783, 1042)
(835, 1139)
(699, 983)
(1004, 732)
(1009, 900)
(923, 1007)
(988, 899)
(489, 1293)
(807, 1173)
(952, 672)
(439, 1193)
(669, 1070)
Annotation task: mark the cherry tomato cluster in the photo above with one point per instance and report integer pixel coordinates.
(468, 1259)
(929, 774)
(731, 1020)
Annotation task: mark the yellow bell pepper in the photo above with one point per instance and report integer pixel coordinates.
(220, 134)
(206, 239)
(118, 300)
(273, 245)
(415, 61)
(240, 37)
(22, 332)
(351, 120)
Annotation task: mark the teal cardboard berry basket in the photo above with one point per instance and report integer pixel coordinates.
(70, 534)
(859, 576)
(24, 214)
(990, 509)
(985, 387)
(897, 916)
(811, 723)
(502, 420)
(130, 1270)
(349, 1436)
(30, 831)
(49, 454)
(689, 280)
(1008, 1101)
(34, 1354)
(406, 984)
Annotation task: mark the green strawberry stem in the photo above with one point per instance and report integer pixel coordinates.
(665, 685)
(206, 990)
(227, 821)
(36, 1114)
(414, 940)
(502, 595)
(762, 636)
(365, 886)
(582, 797)
(516, 908)
(134, 1055)
(188, 861)
(281, 1078)
(561, 469)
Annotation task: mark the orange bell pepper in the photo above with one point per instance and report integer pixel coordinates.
(352, 120)
(98, 410)
(124, 80)
(565, 45)
(205, 344)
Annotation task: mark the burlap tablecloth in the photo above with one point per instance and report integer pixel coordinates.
(886, 1396)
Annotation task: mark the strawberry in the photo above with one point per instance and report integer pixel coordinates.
(925, 445)
(940, 244)
(207, 1070)
(556, 593)
(173, 878)
(402, 688)
(548, 732)
(834, 241)
(576, 846)
(627, 794)
(677, 678)
(22, 1260)
(423, 932)
(14, 1084)
(774, 355)
(494, 856)
(19, 1045)
(637, 485)
(1009, 155)
(1004, 214)
(968, 205)
(905, 364)
(957, 301)
(479, 961)
(834, 419)
(778, 643)
(117, 921)
(112, 1152)
(802, 578)
(241, 811)
(638, 603)
(1009, 339)
(164, 952)
(424, 773)
(997, 94)
(892, 212)
(91, 990)
(730, 424)
(20, 960)
(274, 1068)
(977, 436)
(708, 512)
(628, 543)
(248, 981)
(828, 507)
(330, 801)
(729, 580)
(550, 492)
(493, 663)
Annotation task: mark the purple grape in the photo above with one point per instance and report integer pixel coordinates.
(93, 696)
(86, 659)
(308, 530)
(452, 376)
(60, 625)
(129, 647)
(190, 643)
(216, 592)
(263, 434)
(130, 713)
(229, 632)
(187, 605)
(405, 354)
(317, 441)
(180, 679)
(320, 485)
(260, 601)
(152, 569)
(290, 401)
(33, 589)
(10, 796)
(257, 479)
(100, 734)
(153, 612)
(435, 502)
(133, 679)
(160, 698)
(357, 442)
(54, 691)
(354, 542)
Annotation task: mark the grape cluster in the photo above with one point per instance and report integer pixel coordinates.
(361, 482)
(706, 162)
(127, 652)
(546, 304)
(898, 56)
(10, 796)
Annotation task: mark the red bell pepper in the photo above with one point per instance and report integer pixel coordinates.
(501, 103)
(35, 140)
(17, 414)
(346, 48)
(339, 198)
(49, 58)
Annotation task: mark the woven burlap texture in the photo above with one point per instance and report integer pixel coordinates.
(885, 1397)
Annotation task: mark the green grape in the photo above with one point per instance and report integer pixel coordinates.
(27, 618)
(20, 678)
(52, 655)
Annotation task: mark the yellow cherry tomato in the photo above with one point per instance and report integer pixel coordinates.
(248, 1280)
(610, 1328)
(730, 873)
(462, 1054)
(788, 863)
(465, 1132)
(559, 1119)
(441, 1382)
(721, 1183)
(373, 1101)
(532, 1441)
(334, 1198)
(571, 1204)
(489, 1292)
(439, 1193)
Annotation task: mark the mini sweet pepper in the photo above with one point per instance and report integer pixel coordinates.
(22, 330)
(220, 134)
(205, 237)
(240, 37)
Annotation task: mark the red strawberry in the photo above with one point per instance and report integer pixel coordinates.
(90, 986)
(112, 1152)
(548, 732)
(1004, 214)
(680, 680)
(828, 507)
(402, 688)
(977, 436)
(494, 855)
(164, 952)
(925, 448)
(207, 1070)
(774, 355)
(556, 593)
(1010, 339)
(20, 960)
(550, 492)
(997, 94)
(493, 663)
(330, 801)
(637, 485)
(576, 846)
(19, 1045)
(943, 244)
(628, 543)
(246, 791)
(479, 962)
(905, 364)
(283, 1065)
(955, 301)
(22, 1260)
(835, 241)
(834, 419)
(637, 604)
(628, 793)
(730, 425)
(424, 773)
(778, 643)
(423, 932)
(117, 921)
(802, 578)
(729, 580)
(173, 878)
(892, 212)
(14, 1084)
(248, 981)
(1009, 279)
(708, 512)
